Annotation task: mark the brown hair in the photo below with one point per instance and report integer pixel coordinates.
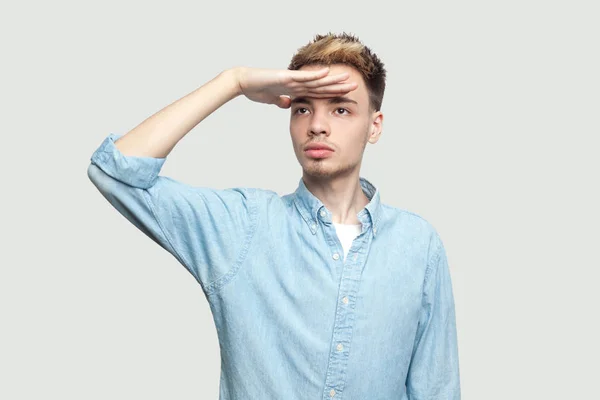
(345, 49)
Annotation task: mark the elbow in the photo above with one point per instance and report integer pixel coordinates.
(98, 177)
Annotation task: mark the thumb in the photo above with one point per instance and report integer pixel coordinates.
(283, 102)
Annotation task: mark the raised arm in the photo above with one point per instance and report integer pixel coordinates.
(208, 230)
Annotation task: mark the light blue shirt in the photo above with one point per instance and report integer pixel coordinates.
(294, 319)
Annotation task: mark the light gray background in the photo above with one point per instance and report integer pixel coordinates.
(491, 124)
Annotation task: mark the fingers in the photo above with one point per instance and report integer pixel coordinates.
(326, 85)
(283, 102)
(303, 76)
(318, 84)
(331, 90)
(328, 80)
(331, 85)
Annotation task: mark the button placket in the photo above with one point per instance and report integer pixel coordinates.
(341, 341)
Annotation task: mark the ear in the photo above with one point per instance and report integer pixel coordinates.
(376, 127)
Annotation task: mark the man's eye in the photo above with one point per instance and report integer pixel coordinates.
(345, 111)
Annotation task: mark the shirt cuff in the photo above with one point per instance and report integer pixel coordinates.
(140, 172)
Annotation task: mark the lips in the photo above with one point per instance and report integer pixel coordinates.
(317, 146)
(318, 150)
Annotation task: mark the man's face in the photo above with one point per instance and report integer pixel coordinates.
(345, 126)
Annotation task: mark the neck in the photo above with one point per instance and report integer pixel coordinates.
(342, 195)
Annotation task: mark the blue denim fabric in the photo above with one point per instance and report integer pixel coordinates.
(295, 320)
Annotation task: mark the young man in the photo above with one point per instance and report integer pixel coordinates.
(322, 293)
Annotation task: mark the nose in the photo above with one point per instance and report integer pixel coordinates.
(318, 125)
(315, 132)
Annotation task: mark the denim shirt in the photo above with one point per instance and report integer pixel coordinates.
(294, 319)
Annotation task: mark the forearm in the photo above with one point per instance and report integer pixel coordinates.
(157, 135)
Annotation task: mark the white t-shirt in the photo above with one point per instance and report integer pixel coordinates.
(346, 233)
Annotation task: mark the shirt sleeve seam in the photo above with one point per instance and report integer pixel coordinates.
(433, 261)
(220, 282)
(179, 254)
(432, 264)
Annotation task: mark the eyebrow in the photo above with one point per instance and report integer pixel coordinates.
(333, 100)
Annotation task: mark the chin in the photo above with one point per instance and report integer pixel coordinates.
(319, 173)
(323, 170)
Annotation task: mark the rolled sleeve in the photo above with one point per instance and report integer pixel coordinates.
(207, 230)
(434, 369)
(139, 172)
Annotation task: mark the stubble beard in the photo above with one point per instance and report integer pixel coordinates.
(319, 169)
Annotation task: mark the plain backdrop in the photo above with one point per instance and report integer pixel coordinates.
(490, 132)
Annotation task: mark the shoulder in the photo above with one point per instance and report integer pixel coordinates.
(264, 200)
(401, 219)
(268, 197)
(410, 228)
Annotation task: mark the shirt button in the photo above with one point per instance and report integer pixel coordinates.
(331, 393)
(322, 213)
(313, 226)
(345, 300)
(374, 230)
(340, 347)
(336, 256)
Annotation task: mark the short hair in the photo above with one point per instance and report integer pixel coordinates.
(346, 49)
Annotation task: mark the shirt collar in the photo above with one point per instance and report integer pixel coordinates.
(314, 211)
